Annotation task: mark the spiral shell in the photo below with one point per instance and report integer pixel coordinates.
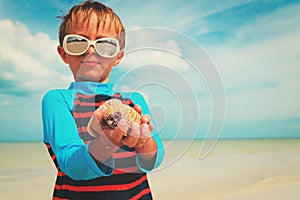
(115, 110)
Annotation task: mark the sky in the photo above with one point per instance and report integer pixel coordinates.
(207, 69)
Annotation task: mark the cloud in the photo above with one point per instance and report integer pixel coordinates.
(273, 24)
(158, 63)
(154, 46)
(6, 103)
(185, 16)
(221, 23)
(273, 103)
(29, 61)
(154, 56)
(261, 75)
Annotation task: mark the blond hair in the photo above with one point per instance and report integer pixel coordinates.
(83, 11)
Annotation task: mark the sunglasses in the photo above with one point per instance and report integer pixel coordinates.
(76, 45)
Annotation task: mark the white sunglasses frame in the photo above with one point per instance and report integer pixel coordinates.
(90, 42)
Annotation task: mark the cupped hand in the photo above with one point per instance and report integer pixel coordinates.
(139, 135)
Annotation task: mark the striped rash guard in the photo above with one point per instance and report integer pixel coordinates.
(65, 114)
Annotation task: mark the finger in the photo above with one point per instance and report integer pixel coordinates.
(99, 114)
(117, 134)
(97, 121)
(133, 137)
(145, 119)
(151, 126)
(144, 135)
(145, 131)
(138, 108)
(92, 127)
(122, 125)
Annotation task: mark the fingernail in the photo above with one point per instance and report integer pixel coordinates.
(111, 133)
(122, 122)
(135, 129)
(135, 125)
(145, 127)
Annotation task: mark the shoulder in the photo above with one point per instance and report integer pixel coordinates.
(56, 96)
(134, 96)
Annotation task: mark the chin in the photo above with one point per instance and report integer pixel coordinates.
(92, 78)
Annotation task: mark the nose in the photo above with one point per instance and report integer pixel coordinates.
(91, 49)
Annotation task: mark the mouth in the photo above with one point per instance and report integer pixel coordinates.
(90, 63)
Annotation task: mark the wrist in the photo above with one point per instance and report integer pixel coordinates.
(102, 149)
(146, 155)
(148, 150)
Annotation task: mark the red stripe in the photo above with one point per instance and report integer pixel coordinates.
(56, 198)
(101, 188)
(60, 173)
(126, 170)
(87, 141)
(53, 157)
(82, 114)
(82, 129)
(84, 96)
(127, 101)
(124, 154)
(77, 102)
(117, 95)
(142, 193)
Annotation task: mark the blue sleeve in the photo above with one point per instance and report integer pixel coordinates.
(139, 99)
(60, 131)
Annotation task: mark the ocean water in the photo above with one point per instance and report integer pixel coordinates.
(234, 169)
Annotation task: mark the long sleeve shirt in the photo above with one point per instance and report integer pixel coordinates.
(65, 114)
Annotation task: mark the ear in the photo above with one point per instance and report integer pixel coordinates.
(119, 58)
(62, 54)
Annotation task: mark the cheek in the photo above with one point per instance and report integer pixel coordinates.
(110, 62)
(74, 64)
(107, 63)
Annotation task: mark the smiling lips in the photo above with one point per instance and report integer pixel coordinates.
(90, 63)
(91, 60)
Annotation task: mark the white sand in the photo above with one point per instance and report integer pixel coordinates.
(235, 170)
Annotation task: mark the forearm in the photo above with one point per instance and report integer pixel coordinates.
(146, 154)
(61, 133)
(148, 150)
(151, 155)
(102, 150)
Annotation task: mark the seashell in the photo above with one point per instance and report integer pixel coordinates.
(115, 110)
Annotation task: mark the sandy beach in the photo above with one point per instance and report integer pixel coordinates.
(234, 170)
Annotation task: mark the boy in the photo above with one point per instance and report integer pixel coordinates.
(110, 165)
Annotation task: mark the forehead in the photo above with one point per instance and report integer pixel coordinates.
(94, 26)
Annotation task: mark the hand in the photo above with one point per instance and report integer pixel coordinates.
(106, 142)
(145, 119)
(146, 143)
(94, 128)
(139, 136)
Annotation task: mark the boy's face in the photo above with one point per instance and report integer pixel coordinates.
(90, 66)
